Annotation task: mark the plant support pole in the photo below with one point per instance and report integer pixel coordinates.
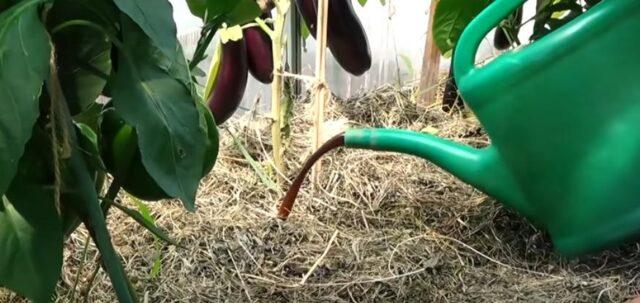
(430, 64)
(282, 6)
(321, 92)
(295, 48)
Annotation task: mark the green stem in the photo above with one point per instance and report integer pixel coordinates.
(263, 25)
(206, 36)
(93, 70)
(112, 194)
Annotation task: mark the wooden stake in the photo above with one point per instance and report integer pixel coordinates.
(276, 88)
(430, 64)
(295, 48)
(321, 91)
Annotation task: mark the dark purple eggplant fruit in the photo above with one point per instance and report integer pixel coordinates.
(500, 39)
(231, 81)
(346, 37)
(259, 53)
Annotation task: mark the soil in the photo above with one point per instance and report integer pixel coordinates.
(376, 227)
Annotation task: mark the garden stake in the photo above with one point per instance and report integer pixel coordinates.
(282, 7)
(430, 64)
(321, 90)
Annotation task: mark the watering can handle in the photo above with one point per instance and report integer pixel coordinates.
(488, 19)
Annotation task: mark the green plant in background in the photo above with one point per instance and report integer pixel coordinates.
(453, 16)
(58, 58)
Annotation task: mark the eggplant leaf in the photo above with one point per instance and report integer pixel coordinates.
(24, 65)
(155, 18)
(451, 18)
(245, 11)
(163, 111)
(31, 231)
(231, 12)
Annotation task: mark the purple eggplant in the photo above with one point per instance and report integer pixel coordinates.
(231, 81)
(259, 53)
(346, 37)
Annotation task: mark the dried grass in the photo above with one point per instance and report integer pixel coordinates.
(379, 227)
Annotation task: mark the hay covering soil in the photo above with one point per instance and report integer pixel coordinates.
(402, 229)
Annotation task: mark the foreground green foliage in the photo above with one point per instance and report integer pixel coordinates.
(57, 58)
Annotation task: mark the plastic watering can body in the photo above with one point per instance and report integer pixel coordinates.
(563, 115)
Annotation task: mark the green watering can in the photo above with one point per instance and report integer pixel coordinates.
(563, 115)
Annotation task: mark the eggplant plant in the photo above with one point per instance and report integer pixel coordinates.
(96, 90)
(259, 49)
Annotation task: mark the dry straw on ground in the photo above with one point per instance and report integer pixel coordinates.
(379, 227)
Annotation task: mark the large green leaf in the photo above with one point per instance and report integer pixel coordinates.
(245, 11)
(24, 64)
(163, 111)
(83, 52)
(30, 229)
(156, 20)
(232, 12)
(553, 14)
(451, 18)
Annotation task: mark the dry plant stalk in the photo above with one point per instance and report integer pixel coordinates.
(321, 90)
(317, 263)
(59, 114)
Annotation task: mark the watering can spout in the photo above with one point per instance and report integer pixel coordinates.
(481, 168)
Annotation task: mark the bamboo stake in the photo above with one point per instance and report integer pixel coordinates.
(295, 47)
(430, 64)
(321, 91)
(276, 87)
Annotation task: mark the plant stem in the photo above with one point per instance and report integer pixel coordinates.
(112, 194)
(206, 35)
(263, 25)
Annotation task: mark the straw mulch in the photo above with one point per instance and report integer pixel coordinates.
(378, 227)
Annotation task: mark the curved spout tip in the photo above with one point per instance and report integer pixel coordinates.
(289, 199)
